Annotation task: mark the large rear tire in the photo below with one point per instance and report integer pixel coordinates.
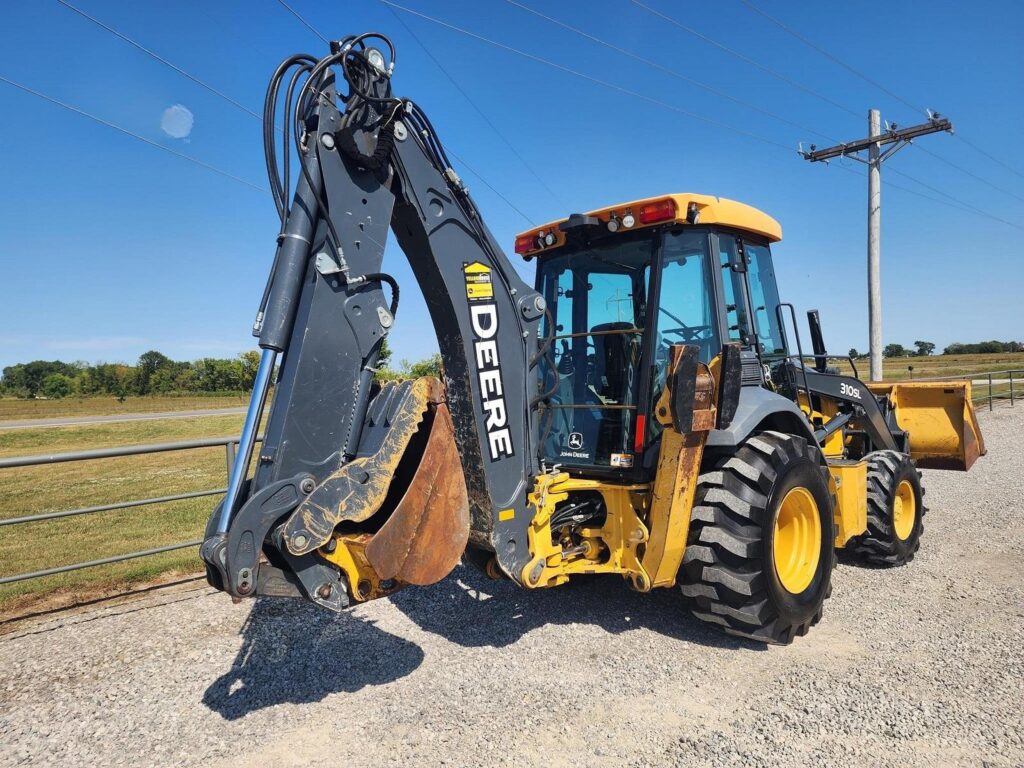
(759, 554)
(895, 512)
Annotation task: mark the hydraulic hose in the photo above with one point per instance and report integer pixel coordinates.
(383, 277)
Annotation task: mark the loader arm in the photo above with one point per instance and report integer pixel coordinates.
(335, 440)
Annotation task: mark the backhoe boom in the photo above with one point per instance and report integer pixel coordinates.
(372, 166)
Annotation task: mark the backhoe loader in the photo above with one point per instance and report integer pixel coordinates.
(645, 408)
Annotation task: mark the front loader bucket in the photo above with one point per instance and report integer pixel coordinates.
(940, 420)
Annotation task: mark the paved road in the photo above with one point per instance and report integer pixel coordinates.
(915, 666)
(66, 421)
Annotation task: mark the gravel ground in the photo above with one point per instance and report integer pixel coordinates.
(917, 666)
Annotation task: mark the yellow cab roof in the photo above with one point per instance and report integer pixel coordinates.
(711, 210)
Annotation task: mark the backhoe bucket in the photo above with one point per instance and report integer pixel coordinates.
(939, 417)
(425, 536)
(398, 514)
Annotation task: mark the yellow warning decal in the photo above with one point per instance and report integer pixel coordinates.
(478, 281)
(506, 514)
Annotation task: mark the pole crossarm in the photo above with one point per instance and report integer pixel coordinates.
(880, 146)
(891, 136)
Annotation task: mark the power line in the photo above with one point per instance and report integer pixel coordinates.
(991, 157)
(743, 57)
(831, 57)
(966, 205)
(508, 202)
(957, 203)
(246, 41)
(948, 203)
(126, 132)
(479, 111)
(836, 59)
(589, 78)
(159, 58)
(891, 185)
(970, 173)
(666, 70)
(393, 6)
(305, 23)
(722, 94)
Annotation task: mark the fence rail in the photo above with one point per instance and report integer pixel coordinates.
(228, 444)
(992, 381)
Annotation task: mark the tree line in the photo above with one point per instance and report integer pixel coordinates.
(926, 348)
(156, 374)
(153, 374)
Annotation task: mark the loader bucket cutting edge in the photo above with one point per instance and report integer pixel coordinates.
(940, 419)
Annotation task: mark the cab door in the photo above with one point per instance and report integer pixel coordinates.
(688, 308)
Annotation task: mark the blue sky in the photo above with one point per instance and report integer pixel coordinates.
(111, 247)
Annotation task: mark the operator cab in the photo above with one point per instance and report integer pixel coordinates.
(622, 285)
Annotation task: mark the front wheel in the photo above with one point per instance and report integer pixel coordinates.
(759, 554)
(895, 511)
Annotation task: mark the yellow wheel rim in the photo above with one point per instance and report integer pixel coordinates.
(796, 546)
(904, 510)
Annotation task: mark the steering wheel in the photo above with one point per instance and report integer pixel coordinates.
(687, 332)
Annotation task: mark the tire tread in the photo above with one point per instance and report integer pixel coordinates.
(878, 545)
(722, 575)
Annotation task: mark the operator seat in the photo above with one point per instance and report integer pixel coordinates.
(616, 365)
(616, 358)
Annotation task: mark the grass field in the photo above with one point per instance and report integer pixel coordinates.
(14, 408)
(36, 490)
(943, 365)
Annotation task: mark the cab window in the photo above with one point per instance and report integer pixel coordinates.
(597, 300)
(686, 312)
(756, 320)
(764, 294)
(737, 323)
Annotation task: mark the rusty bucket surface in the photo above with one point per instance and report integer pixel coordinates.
(401, 511)
(424, 538)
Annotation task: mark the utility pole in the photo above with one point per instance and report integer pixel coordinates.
(875, 247)
(894, 139)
